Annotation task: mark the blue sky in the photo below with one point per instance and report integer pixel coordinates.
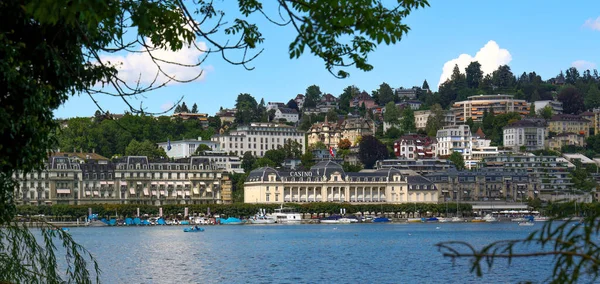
(541, 36)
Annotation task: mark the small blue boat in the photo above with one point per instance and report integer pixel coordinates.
(193, 229)
(381, 220)
(231, 221)
(432, 219)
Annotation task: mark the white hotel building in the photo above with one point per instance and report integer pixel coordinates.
(258, 138)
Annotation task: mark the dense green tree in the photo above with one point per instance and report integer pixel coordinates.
(312, 96)
(247, 109)
(458, 160)
(344, 144)
(307, 160)
(346, 97)
(473, 74)
(349, 168)
(194, 108)
(384, 94)
(545, 113)
(202, 148)
(572, 76)
(145, 148)
(184, 108)
(248, 161)
(293, 105)
(592, 98)
(370, 150)
(532, 112)
(572, 100)
(435, 121)
(407, 123)
(393, 133)
(503, 79)
(332, 115)
(593, 143)
(487, 122)
(391, 114)
(425, 85)
(265, 162)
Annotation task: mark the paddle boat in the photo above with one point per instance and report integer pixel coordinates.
(193, 229)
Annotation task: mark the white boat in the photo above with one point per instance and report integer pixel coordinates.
(490, 219)
(541, 219)
(521, 219)
(457, 220)
(444, 220)
(287, 215)
(262, 219)
(527, 223)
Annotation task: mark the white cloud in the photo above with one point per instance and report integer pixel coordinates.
(583, 65)
(166, 106)
(490, 56)
(592, 24)
(139, 65)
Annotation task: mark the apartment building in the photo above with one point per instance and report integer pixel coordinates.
(415, 146)
(475, 106)
(421, 117)
(128, 180)
(526, 133)
(555, 106)
(422, 166)
(569, 123)
(287, 114)
(454, 139)
(594, 118)
(482, 185)
(185, 148)
(258, 138)
(549, 175)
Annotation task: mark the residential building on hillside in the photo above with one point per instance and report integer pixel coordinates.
(557, 141)
(550, 177)
(363, 98)
(185, 148)
(289, 114)
(413, 104)
(526, 133)
(421, 166)
(128, 180)
(223, 161)
(482, 185)
(454, 139)
(555, 106)
(227, 115)
(275, 105)
(421, 117)
(415, 146)
(258, 138)
(569, 123)
(331, 133)
(202, 117)
(594, 118)
(299, 99)
(327, 182)
(475, 106)
(411, 93)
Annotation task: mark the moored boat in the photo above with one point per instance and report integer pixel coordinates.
(287, 215)
(231, 221)
(262, 219)
(457, 220)
(193, 229)
(414, 220)
(526, 223)
(541, 219)
(381, 220)
(333, 219)
(490, 219)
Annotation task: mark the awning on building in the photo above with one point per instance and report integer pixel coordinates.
(154, 192)
(132, 191)
(96, 193)
(146, 191)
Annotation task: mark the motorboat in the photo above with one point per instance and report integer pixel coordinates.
(414, 220)
(526, 223)
(349, 219)
(520, 219)
(381, 220)
(432, 219)
(287, 215)
(457, 220)
(193, 229)
(262, 219)
(333, 219)
(231, 221)
(541, 219)
(444, 220)
(478, 220)
(490, 219)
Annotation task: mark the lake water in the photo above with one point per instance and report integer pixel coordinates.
(353, 253)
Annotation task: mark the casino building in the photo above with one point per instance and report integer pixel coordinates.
(327, 182)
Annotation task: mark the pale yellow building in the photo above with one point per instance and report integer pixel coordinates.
(327, 182)
(569, 123)
(331, 133)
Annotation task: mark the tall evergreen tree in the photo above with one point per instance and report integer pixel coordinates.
(184, 108)
(195, 108)
(425, 85)
(474, 75)
(592, 99)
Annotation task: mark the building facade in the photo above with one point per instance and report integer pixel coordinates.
(482, 185)
(129, 180)
(186, 148)
(287, 114)
(331, 133)
(530, 134)
(555, 106)
(327, 182)
(569, 123)
(548, 175)
(421, 117)
(475, 106)
(558, 141)
(258, 138)
(422, 167)
(454, 139)
(415, 146)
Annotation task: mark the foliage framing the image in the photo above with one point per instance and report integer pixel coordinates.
(573, 246)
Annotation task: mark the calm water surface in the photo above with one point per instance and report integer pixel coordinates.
(353, 253)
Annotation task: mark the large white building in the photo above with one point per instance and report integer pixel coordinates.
(475, 106)
(289, 114)
(421, 117)
(527, 133)
(258, 138)
(327, 182)
(454, 139)
(186, 148)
